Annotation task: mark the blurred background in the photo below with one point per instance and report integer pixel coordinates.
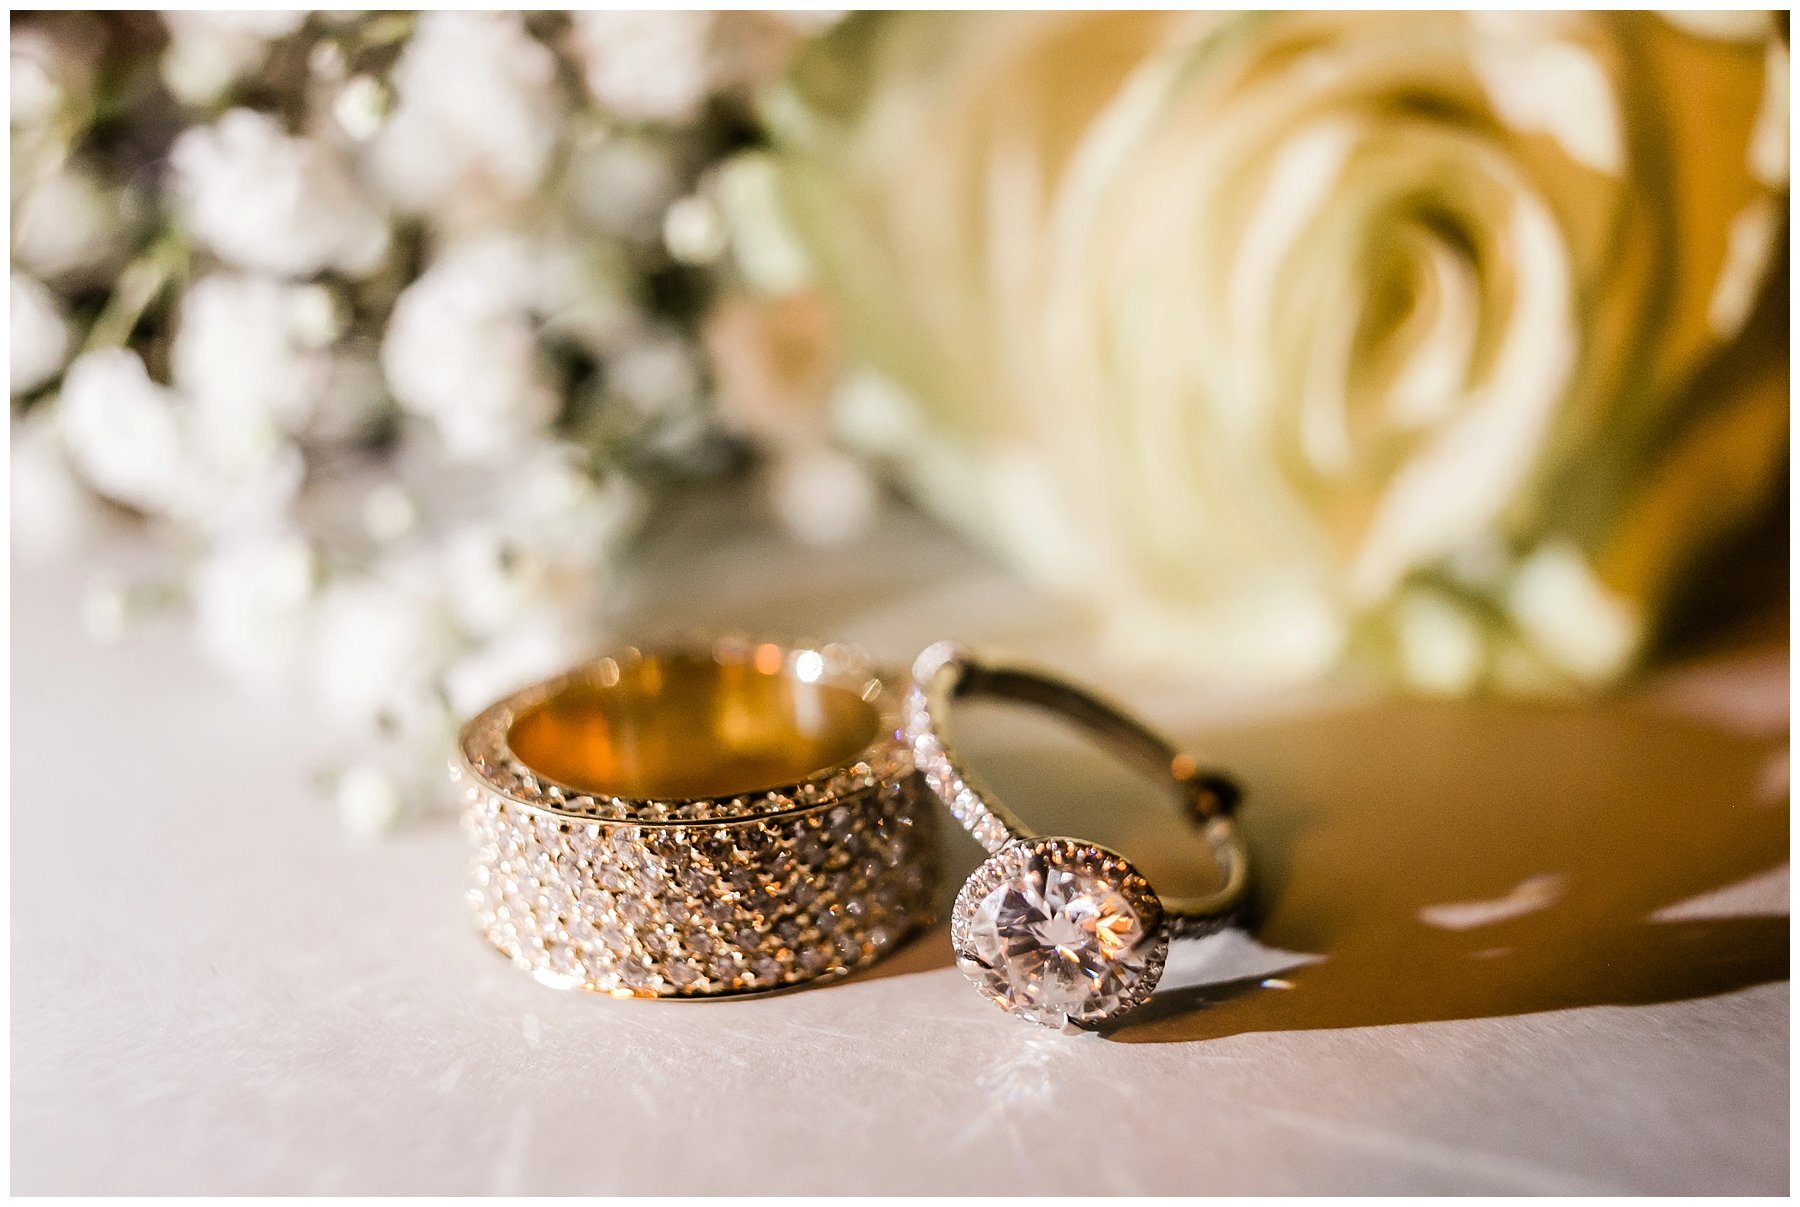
(1443, 353)
(1392, 407)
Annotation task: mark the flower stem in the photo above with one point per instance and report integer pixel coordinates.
(137, 287)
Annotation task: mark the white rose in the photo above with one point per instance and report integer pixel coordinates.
(475, 120)
(271, 202)
(210, 51)
(40, 335)
(646, 66)
(462, 350)
(1284, 337)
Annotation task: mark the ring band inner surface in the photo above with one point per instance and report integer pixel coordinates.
(687, 726)
(1135, 745)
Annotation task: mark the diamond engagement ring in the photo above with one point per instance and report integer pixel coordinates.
(1060, 931)
(697, 821)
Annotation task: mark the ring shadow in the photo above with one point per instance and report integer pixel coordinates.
(1438, 860)
(1454, 861)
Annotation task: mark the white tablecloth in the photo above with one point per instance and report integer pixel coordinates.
(1503, 948)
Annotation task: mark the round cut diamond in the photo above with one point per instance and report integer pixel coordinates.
(1061, 937)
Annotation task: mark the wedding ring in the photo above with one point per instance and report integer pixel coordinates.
(1059, 931)
(697, 821)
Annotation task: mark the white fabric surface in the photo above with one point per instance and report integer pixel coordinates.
(214, 991)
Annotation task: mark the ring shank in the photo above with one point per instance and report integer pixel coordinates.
(1207, 797)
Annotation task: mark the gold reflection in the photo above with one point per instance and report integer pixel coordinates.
(678, 726)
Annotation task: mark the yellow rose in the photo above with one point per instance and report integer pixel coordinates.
(1288, 338)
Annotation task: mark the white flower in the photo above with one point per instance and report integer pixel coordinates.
(388, 512)
(70, 228)
(585, 291)
(52, 81)
(251, 602)
(1559, 87)
(240, 480)
(693, 231)
(1249, 335)
(377, 646)
(648, 66)
(476, 118)
(658, 373)
(40, 335)
(122, 430)
(621, 184)
(38, 85)
(823, 496)
(494, 578)
(542, 551)
(462, 350)
(210, 51)
(53, 95)
(241, 472)
(763, 245)
(260, 351)
(369, 801)
(565, 510)
(270, 202)
(52, 512)
(140, 444)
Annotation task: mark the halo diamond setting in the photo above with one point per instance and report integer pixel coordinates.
(1060, 932)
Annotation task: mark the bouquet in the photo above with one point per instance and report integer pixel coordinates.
(383, 332)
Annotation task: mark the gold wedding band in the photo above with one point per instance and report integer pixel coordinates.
(697, 821)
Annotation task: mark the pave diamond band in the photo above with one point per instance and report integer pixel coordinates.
(1062, 932)
(725, 819)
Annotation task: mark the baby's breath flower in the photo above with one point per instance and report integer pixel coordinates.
(40, 334)
(271, 202)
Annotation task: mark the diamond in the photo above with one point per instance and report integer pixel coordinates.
(1062, 933)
